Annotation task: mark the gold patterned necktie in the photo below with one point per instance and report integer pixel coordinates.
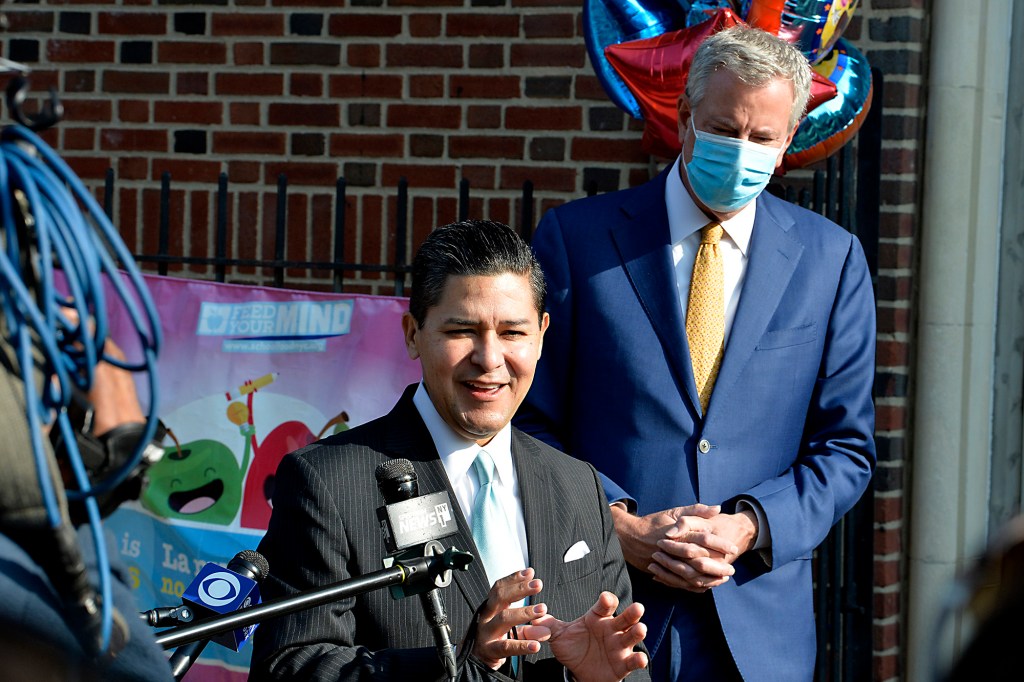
(705, 312)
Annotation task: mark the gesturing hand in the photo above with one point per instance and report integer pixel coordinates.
(497, 618)
(598, 646)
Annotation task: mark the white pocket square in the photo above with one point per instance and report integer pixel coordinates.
(577, 551)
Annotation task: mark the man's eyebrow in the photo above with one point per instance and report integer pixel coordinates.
(458, 321)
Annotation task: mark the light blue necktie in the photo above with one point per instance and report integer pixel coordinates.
(492, 531)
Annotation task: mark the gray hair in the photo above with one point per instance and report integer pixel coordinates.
(756, 58)
(470, 248)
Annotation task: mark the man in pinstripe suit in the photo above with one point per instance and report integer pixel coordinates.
(476, 324)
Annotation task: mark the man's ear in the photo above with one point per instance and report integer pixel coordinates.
(545, 320)
(410, 329)
(683, 114)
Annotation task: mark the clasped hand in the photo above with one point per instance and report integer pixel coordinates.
(690, 548)
(596, 647)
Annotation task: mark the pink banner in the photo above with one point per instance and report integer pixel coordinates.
(246, 375)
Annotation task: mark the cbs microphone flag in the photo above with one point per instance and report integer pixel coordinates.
(247, 374)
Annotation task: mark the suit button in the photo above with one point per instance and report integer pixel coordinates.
(704, 446)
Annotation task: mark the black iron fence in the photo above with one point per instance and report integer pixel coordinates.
(845, 189)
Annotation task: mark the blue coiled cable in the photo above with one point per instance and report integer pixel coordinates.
(67, 233)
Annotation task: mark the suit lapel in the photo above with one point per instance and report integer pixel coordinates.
(535, 494)
(410, 439)
(643, 243)
(774, 255)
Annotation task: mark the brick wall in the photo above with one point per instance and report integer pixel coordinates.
(493, 91)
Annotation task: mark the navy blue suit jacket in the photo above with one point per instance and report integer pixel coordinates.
(789, 424)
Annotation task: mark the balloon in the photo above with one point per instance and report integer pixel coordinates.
(813, 26)
(831, 124)
(655, 71)
(606, 22)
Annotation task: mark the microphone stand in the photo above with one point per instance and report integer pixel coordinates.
(406, 572)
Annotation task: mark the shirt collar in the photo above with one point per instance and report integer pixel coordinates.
(685, 218)
(457, 452)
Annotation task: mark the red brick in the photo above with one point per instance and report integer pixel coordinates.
(363, 55)
(344, 145)
(887, 541)
(423, 116)
(425, 25)
(306, 85)
(346, 86)
(886, 604)
(29, 22)
(544, 118)
(890, 417)
(424, 55)
(192, 52)
(136, 82)
(80, 51)
(590, 88)
(892, 353)
(888, 509)
(245, 172)
(480, 177)
(885, 667)
(886, 636)
(483, 116)
(90, 167)
(539, 54)
(491, 25)
(133, 111)
(486, 147)
(132, 168)
(78, 139)
(418, 175)
(306, 54)
(244, 113)
(189, 170)
(895, 256)
(887, 572)
(485, 87)
(486, 56)
(549, 26)
(349, 24)
(238, 142)
(135, 140)
(317, 174)
(88, 110)
(247, 24)
(550, 178)
(426, 86)
(310, 115)
(188, 112)
(248, 54)
(893, 320)
(132, 23)
(607, 149)
(249, 84)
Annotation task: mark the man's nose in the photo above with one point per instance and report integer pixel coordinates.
(487, 353)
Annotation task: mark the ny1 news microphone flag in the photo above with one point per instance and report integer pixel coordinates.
(247, 374)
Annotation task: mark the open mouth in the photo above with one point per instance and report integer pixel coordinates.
(196, 500)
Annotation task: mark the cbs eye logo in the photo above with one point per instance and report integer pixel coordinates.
(219, 589)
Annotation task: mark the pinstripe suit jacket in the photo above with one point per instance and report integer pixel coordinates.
(324, 529)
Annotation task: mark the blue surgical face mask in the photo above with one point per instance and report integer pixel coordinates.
(726, 174)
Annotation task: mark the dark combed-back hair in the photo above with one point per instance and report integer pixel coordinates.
(470, 248)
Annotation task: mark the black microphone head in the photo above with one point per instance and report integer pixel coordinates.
(251, 564)
(396, 480)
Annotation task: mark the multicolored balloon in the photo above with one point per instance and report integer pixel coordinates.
(641, 51)
(831, 124)
(813, 26)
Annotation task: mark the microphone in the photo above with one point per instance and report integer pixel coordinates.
(216, 590)
(407, 520)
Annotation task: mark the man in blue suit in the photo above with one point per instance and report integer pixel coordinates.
(739, 469)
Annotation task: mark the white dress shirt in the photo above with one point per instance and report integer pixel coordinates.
(458, 454)
(685, 221)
